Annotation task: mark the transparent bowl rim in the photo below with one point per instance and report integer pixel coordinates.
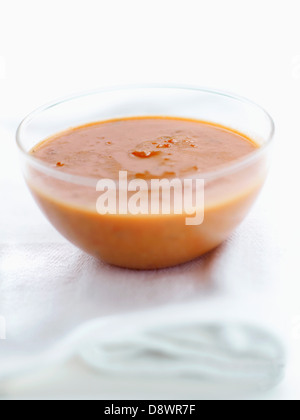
(84, 180)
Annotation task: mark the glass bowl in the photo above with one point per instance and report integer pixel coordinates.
(147, 241)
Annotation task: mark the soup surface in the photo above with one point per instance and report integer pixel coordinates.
(144, 147)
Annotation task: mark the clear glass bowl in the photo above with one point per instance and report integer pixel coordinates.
(146, 241)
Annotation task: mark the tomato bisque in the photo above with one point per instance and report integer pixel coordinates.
(96, 164)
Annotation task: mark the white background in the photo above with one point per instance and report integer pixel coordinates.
(49, 49)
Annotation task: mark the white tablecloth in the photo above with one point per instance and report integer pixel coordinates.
(49, 289)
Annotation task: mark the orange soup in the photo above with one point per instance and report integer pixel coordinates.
(146, 148)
